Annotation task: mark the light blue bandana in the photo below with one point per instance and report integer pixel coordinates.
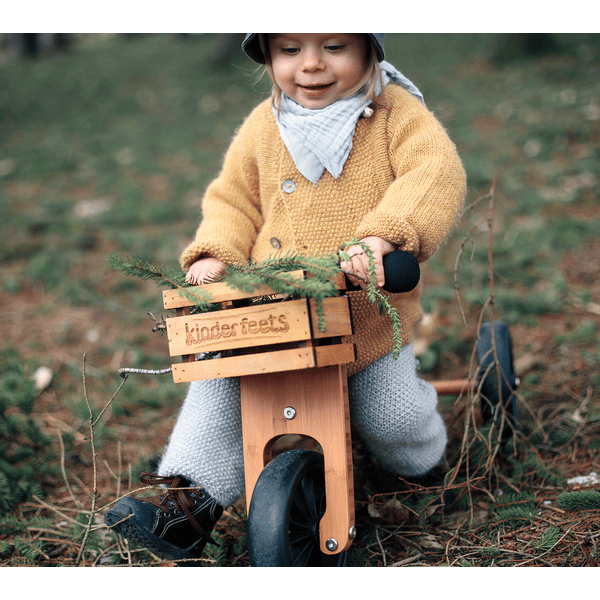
(319, 139)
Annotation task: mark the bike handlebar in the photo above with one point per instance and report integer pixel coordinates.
(402, 272)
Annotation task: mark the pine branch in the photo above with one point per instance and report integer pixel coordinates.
(250, 278)
(374, 294)
(582, 500)
(147, 271)
(274, 273)
(371, 289)
(395, 320)
(169, 279)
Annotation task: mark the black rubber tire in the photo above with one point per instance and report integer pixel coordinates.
(287, 504)
(491, 396)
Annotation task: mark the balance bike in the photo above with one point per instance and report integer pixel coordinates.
(293, 382)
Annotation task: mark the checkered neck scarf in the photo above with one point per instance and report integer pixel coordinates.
(319, 139)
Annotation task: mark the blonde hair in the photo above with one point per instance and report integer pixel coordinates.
(370, 82)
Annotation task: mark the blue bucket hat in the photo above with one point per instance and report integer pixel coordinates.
(251, 47)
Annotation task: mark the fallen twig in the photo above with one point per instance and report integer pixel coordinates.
(407, 561)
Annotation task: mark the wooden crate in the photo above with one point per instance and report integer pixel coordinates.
(280, 335)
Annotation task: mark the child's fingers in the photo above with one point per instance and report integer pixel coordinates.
(379, 272)
(378, 264)
(196, 274)
(360, 267)
(357, 268)
(192, 278)
(205, 270)
(353, 280)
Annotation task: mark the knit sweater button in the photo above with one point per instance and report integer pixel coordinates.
(275, 243)
(288, 186)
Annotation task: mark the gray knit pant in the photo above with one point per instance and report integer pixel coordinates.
(392, 410)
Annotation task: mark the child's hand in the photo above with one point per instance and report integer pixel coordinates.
(205, 270)
(357, 269)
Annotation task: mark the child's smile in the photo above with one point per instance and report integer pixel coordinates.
(314, 92)
(317, 69)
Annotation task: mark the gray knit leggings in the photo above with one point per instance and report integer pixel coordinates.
(393, 411)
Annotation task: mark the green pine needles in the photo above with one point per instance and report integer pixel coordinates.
(584, 500)
(514, 509)
(134, 267)
(530, 467)
(276, 274)
(550, 537)
(17, 539)
(23, 447)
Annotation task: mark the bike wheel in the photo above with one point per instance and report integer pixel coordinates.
(496, 390)
(287, 504)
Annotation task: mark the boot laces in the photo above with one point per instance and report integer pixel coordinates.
(178, 496)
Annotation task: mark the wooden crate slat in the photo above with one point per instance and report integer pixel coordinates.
(218, 292)
(337, 317)
(338, 354)
(258, 325)
(250, 364)
(221, 292)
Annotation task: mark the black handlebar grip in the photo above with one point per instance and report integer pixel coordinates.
(402, 272)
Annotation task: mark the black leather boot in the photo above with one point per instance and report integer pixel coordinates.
(175, 525)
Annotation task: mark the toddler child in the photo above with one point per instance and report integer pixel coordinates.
(345, 149)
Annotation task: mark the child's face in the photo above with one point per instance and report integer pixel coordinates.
(317, 69)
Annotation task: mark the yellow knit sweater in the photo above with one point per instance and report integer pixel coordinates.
(403, 181)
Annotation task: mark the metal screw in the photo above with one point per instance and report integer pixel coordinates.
(352, 532)
(331, 544)
(289, 413)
